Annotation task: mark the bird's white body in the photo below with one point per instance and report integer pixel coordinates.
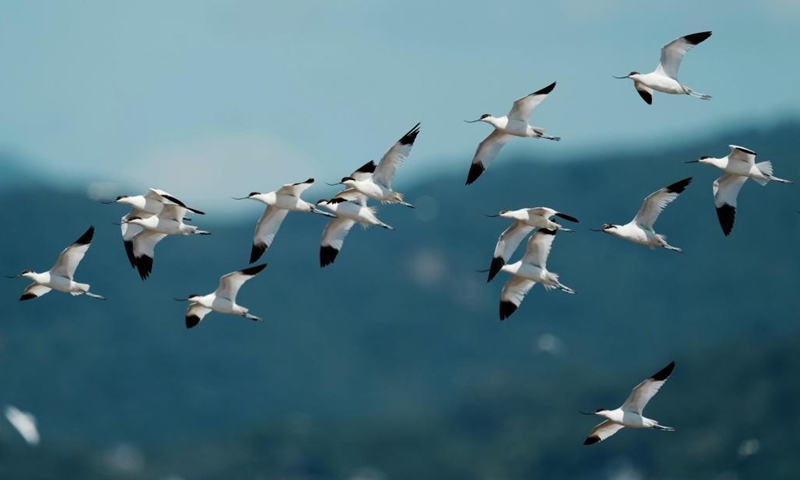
(354, 211)
(630, 413)
(166, 226)
(513, 124)
(283, 201)
(664, 78)
(640, 229)
(350, 207)
(57, 282)
(143, 204)
(538, 217)
(375, 181)
(223, 299)
(549, 280)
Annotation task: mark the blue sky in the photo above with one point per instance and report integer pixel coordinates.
(216, 98)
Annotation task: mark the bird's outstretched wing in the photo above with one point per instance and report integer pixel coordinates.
(523, 107)
(506, 245)
(386, 168)
(69, 259)
(486, 153)
(295, 189)
(333, 239)
(602, 431)
(230, 284)
(642, 393)
(673, 52)
(742, 154)
(195, 314)
(266, 229)
(726, 189)
(656, 202)
(513, 293)
(538, 248)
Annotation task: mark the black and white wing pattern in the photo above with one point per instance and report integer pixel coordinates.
(602, 431)
(726, 189)
(538, 248)
(656, 202)
(642, 393)
(513, 293)
(394, 157)
(741, 154)
(169, 199)
(506, 245)
(486, 153)
(266, 229)
(673, 52)
(333, 239)
(195, 314)
(143, 248)
(523, 107)
(295, 189)
(71, 256)
(34, 290)
(230, 284)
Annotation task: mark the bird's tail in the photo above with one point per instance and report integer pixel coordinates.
(766, 169)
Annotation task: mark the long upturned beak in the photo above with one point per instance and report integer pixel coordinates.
(491, 216)
(620, 78)
(107, 202)
(586, 413)
(692, 161)
(333, 184)
(240, 198)
(12, 276)
(594, 230)
(472, 121)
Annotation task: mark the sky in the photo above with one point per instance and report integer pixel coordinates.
(208, 99)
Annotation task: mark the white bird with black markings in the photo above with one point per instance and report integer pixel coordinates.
(350, 208)
(665, 77)
(144, 206)
(24, 423)
(223, 299)
(279, 203)
(630, 413)
(529, 271)
(375, 181)
(738, 166)
(524, 221)
(640, 229)
(513, 124)
(60, 277)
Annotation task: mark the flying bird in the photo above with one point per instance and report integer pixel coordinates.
(513, 124)
(640, 229)
(525, 220)
(738, 166)
(375, 181)
(223, 299)
(665, 77)
(60, 277)
(143, 206)
(279, 203)
(532, 269)
(350, 208)
(630, 413)
(24, 423)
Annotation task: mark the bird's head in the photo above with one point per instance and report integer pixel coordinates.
(607, 228)
(193, 297)
(348, 181)
(632, 75)
(27, 273)
(486, 117)
(603, 412)
(704, 159)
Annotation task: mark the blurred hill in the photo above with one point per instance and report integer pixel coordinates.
(394, 358)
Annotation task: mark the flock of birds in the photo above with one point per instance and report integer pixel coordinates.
(157, 214)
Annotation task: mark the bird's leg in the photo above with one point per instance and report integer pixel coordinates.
(252, 317)
(674, 249)
(701, 96)
(550, 137)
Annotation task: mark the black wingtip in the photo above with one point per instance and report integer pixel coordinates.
(545, 90)
(368, 167)
(665, 372)
(327, 255)
(475, 171)
(27, 296)
(679, 186)
(86, 238)
(254, 270)
(175, 200)
(494, 268)
(567, 217)
(646, 96)
(129, 252)
(697, 38)
(592, 440)
(726, 214)
(192, 321)
(194, 210)
(144, 265)
(408, 138)
(506, 309)
(257, 251)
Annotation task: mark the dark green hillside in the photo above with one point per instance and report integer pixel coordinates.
(394, 357)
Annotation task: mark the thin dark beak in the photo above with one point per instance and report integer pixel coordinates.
(242, 198)
(692, 161)
(491, 216)
(592, 229)
(117, 224)
(620, 78)
(472, 121)
(181, 299)
(9, 276)
(586, 413)
(333, 184)
(107, 202)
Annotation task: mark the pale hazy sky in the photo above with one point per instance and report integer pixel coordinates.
(225, 97)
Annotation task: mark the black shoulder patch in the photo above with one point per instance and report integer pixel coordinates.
(145, 265)
(545, 90)
(194, 210)
(174, 200)
(368, 167)
(408, 138)
(506, 309)
(27, 296)
(475, 171)
(257, 251)
(546, 231)
(680, 186)
(494, 268)
(327, 255)
(592, 440)
(696, 38)
(254, 270)
(310, 180)
(745, 150)
(129, 252)
(566, 217)
(337, 200)
(86, 238)
(192, 321)
(646, 96)
(726, 215)
(665, 372)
